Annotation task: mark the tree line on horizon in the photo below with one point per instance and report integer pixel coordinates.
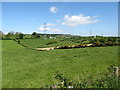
(74, 38)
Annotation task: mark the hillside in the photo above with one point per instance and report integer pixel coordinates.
(24, 68)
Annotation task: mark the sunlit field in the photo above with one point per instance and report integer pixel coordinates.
(25, 68)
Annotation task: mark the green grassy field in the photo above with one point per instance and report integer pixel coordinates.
(24, 68)
(34, 43)
(0, 64)
(10, 45)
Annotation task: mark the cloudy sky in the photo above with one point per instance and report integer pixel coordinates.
(80, 18)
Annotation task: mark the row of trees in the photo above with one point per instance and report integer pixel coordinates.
(19, 35)
(14, 35)
(105, 39)
(76, 39)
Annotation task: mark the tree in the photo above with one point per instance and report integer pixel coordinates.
(34, 33)
(102, 40)
(8, 35)
(21, 36)
(11, 32)
(37, 36)
(17, 35)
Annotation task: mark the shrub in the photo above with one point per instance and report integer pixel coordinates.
(97, 43)
(106, 80)
(51, 43)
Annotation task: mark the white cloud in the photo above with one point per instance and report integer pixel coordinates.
(78, 20)
(55, 30)
(50, 24)
(42, 28)
(50, 29)
(53, 9)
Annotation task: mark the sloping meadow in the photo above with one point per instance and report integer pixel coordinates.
(24, 68)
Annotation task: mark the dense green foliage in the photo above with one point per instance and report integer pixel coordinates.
(25, 68)
(76, 39)
(106, 79)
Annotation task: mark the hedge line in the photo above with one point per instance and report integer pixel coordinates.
(18, 41)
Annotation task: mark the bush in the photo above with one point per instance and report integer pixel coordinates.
(51, 43)
(109, 43)
(106, 80)
(98, 43)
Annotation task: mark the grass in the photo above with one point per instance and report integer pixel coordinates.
(34, 43)
(0, 64)
(10, 45)
(0, 45)
(24, 68)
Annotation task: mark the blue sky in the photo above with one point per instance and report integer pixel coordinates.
(69, 18)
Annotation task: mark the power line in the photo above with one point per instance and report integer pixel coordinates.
(45, 26)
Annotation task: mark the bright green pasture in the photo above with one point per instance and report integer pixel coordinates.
(24, 68)
(10, 45)
(34, 43)
(0, 45)
(0, 64)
